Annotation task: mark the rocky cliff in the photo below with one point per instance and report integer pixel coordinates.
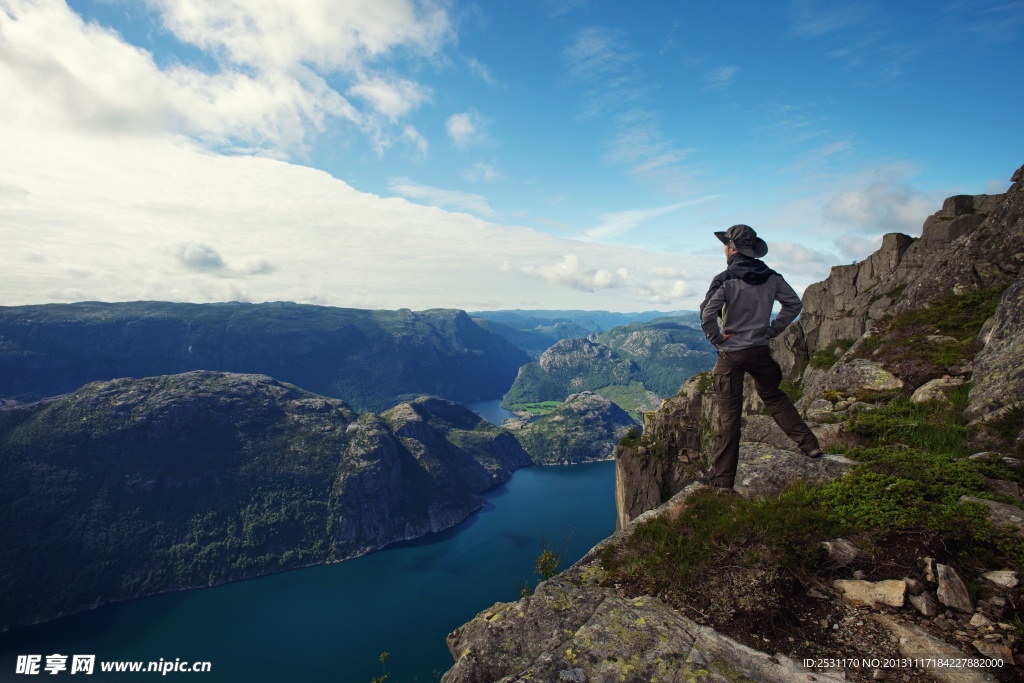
(371, 359)
(134, 487)
(909, 546)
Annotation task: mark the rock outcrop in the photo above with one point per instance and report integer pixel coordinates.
(135, 487)
(585, 428)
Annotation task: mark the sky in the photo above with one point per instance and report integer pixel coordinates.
(535, 154)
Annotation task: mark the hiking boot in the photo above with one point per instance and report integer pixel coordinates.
(815, 453)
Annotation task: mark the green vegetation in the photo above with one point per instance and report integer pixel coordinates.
(634, 398)
(792, 389)
(384, 657)
(903, 346)
(825, 358)
(539, 408)
(583, 429)
(726, 555)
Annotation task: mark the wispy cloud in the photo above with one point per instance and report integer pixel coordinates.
(812, 18)
(393, 98)
(465, 129)
(436, 196)
(622, 222)
(481, 172)
(481, 71)
(559, 8)
(720, 78)
(599, 60)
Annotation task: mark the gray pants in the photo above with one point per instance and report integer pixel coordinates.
(728, 375)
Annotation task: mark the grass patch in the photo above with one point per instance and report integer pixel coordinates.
(903, 347)
(536, 408)
(825, 358)
(792, 389)
(725, 556)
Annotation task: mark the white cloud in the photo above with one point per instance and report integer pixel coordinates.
(720, 78)
(481, 171)
(812, 18)
(85, 219)
(268, 93)
(884, 205)
(394, 99)
(436, 196)
(571, 272)
(326, 34)
(465, 129)
(413, 137)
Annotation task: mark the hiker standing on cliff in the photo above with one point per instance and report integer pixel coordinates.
(736, 317)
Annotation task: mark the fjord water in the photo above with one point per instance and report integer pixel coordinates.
(330, 623)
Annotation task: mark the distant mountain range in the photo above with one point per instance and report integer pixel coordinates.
(371, 359)
(634, 365)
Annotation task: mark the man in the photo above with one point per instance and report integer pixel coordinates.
(736, 317)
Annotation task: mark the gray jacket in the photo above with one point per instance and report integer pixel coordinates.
(741, 297)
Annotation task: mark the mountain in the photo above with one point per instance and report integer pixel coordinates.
(592, 321)
(132, 487)
(584, 428)
(908, 538)
(534, 340)
(371, 359)
(635, 366)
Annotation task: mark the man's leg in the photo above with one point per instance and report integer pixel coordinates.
(729, 394)
(767, 375)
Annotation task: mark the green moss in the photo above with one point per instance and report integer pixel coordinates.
(825, 358)
(792, 389)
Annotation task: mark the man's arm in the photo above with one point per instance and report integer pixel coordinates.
(791, 306)
(709, 313)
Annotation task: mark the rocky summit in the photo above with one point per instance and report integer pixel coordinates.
(134, 487)
(897, 556)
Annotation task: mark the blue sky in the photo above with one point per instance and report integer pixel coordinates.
(529, 154)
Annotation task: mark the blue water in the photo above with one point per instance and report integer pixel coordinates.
(330, 623)
(491, 411)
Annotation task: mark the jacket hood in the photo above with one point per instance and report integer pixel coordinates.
(751, 270)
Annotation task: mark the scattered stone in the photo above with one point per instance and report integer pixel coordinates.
(952, 591)
(878, 675)
(1010, 488)
(940, 339)
(936, 390)
(984, 456)
(872, 594)
(841, 551)
(914, 586)
(925, 603)
(860, 574)
(979, 620)
(1000, 514)
(1003, 578)
(1014, 463)
(816, 594)
(916, 643)
(929, 570)
(994, 650)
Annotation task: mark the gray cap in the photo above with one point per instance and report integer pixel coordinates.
(743, 239)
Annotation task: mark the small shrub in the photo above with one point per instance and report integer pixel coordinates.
(825, 358)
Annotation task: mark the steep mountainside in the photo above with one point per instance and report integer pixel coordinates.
(584, 428)
(372, 359)
(134, 487)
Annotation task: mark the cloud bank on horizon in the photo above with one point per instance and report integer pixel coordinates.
(418, 153)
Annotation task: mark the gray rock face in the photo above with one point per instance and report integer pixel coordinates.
(998, 379)
(872, 593)
(852, 377)
(916, 643)
(936, 390)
